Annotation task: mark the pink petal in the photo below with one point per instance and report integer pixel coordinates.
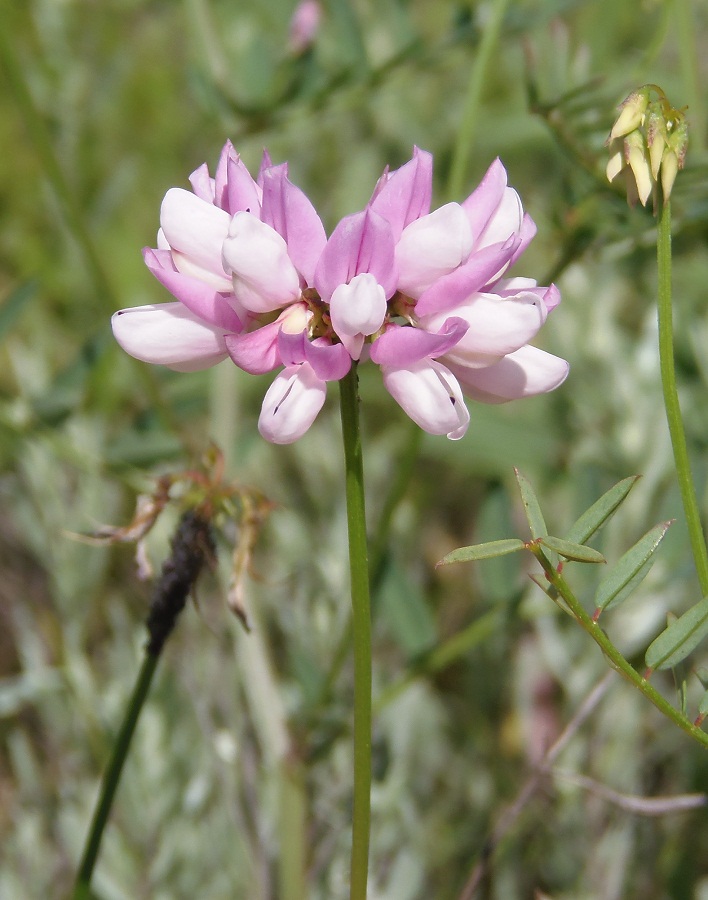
(504, 222)
(496, 327)
(221, 176)
(202, 183)
(486, 197)
(169, 335)
(291, 404)
(264, 278)
(402, 345)
(453, 289)
(358, 307)
(403, 196)
(330, 362)
(360, 243)
(195, 229)
(524, 373)
(242, 192)
(431, 396)
(256, 352)
(525, 235)
(511, 287)
(266, 163)
(431, 247)
(200, 298)
(290, 213)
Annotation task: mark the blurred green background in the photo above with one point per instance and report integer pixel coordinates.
(238, 784)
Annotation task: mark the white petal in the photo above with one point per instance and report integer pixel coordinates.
(194, 228)
(430, 395)
(506, 220)
(432, 246)
(358, 307)
(291, 404)
(498, 326)
(524, 373)
(255, 254)
(168, 334)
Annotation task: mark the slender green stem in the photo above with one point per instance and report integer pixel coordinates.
(405, 466)
(615, 658)
(111, 777)
(671, 400)
(361, 623)
(470, 115)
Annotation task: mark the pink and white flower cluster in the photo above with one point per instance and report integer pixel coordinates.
(424, 295)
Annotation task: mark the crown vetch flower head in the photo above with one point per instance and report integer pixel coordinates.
(423, 294)
(647, 143)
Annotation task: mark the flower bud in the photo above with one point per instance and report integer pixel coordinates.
(648, 142)
(632, 113)
(636, 154)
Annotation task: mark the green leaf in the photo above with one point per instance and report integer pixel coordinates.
(537, 524)
(631, 569)
(596, 515)
(12, 307)
(572, 551)
(482, 551)
(680, 638)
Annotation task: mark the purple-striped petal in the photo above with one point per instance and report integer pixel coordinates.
(291, 404)
(430, 395)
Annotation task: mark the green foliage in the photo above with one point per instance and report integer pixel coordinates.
(572, 551)
(680, 638)
(483, 551)
(595, 516)
(633, 567)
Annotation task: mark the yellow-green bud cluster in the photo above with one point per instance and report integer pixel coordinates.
(647, 144)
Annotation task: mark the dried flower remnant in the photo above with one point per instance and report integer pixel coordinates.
(647, 144)
(192, 547)
(423, 294)
(211, 505)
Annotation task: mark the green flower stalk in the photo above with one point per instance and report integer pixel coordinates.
(648, 143)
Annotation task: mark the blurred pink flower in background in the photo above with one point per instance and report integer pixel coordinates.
(304, 25)
(422, 294)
